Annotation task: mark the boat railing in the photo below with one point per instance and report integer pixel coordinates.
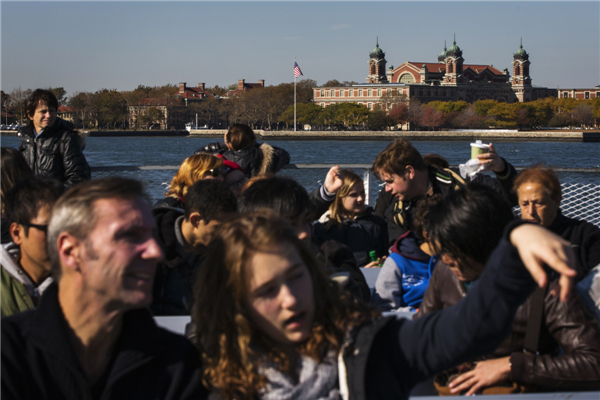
(580, 186)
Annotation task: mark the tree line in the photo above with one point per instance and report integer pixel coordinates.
(272, 107)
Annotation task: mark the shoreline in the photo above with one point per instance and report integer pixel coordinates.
(491, 135)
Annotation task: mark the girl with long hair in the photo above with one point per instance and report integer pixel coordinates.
(351, 222)
(271, 325)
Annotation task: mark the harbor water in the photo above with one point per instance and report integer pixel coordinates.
(161, 151)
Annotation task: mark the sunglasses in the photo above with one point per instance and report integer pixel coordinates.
(43, 228)
(215, 172)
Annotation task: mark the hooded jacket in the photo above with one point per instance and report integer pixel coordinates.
(56, 153)
(18, 292)
(174, 278)
(404, 276)
(255, 160)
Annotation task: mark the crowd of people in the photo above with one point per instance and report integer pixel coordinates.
(271, 277)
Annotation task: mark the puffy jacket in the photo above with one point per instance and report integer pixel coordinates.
(174, 278)
(56, 153)
(366, 233)
(256, 160)
(567, 325)
(398, 214)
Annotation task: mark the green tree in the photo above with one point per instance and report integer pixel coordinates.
(110, 108)
(504, 115)
(306, 113)
(379, 120)
(483, 107)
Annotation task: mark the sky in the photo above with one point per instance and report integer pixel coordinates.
(87, 46)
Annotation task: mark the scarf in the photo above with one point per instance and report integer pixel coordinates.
(317, 381)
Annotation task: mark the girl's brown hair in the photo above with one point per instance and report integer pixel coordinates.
(192, 169)
(227, 339)
(337, 211)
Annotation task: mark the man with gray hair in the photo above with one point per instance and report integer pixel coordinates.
(92, 336)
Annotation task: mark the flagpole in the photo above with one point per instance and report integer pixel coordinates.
(295, 98)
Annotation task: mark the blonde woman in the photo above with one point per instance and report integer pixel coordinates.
(351, 222)
(192, 169)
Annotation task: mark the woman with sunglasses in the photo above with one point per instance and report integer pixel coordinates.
(192, 169)
(270, 325)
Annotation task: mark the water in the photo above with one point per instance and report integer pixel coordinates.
(111, 151)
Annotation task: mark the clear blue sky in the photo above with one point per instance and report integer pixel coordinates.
(86, 46)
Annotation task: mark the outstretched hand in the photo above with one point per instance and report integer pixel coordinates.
(538, 246)
(491, 160)
(333, 180)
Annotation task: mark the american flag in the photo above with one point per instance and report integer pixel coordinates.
(297, 71)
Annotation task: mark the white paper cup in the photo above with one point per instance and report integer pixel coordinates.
(478, 148)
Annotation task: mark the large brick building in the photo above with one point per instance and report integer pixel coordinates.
(580, 94)
(448, 79)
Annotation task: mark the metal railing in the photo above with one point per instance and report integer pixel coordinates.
(580, 186)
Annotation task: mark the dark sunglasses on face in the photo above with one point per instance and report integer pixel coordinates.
(215, 172)
(43, 228)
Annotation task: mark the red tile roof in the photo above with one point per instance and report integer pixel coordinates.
(64, 109)
(437, 67)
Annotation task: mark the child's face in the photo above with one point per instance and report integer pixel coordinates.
(280, 294)
(354, 202)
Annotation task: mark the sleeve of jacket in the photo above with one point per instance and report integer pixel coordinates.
(282, 158)
(319, 203)
(431, 300)
(388, 287)
(74, 163)
(16, 374)
(471, 328)
(503, 183)
(578, 335)
(213, 148)
(383, 201)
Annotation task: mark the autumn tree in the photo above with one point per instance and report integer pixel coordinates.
(583, 114)
(399, 114)
(430, 117)
(81, 103)
(19, 99)
(61, 95)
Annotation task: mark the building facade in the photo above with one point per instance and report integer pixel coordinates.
(580, 94)
(165, 113)
(448, 79)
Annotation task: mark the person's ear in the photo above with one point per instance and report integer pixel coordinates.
(69, 251)
(195, 219)
(17, 232)
(409, 172)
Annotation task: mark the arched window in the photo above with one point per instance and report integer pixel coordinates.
(517, 70)
(406, 78)
(370, 92)
(360, 92)
(379, 92)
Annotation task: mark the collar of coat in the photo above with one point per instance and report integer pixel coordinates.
(136, 344)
